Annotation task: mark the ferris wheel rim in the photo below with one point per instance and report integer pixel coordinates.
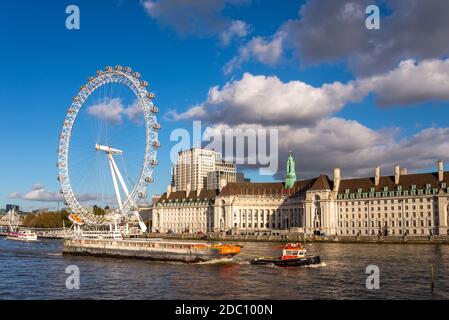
(132, 80)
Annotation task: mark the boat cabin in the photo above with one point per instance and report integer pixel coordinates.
(293, 251)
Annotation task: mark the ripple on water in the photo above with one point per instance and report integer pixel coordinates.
(37, 271)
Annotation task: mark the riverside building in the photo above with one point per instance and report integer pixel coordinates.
(401, 204)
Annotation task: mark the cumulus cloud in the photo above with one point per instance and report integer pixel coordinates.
(113, 110)
(351, 146)
(186, 17)
(305, 117)
(411, 83)
(38, 193)
(237, 29)
(266, 51)
(334, 31)
(267, 100)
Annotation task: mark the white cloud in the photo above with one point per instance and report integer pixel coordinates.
(265, 51)
(412, 82)
(38, 193)
(305, 117)
(134, 112)
(268, 100)
(355, 148)
(237, 29)
(113, 110)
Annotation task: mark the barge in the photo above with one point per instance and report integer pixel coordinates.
(293, 255)
(157, 250)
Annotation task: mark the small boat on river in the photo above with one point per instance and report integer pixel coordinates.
(293, 255)
(22, 235)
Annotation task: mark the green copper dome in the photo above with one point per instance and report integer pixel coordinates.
(290, 177)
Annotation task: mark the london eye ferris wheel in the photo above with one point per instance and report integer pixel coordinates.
(107, 148)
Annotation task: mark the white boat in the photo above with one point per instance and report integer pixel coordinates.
(22, 235)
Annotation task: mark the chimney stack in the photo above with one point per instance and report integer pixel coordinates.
(404, 171)
(337, 179)
(440, 170)
(397, 173)
(223, 183)
(169, 189)
(377, 175)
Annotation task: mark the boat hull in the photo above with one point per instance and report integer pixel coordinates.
(288, 263)
(22, 239)
(148, 250)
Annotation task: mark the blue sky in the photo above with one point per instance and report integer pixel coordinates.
(43, 65)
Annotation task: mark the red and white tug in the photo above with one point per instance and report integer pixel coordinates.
(293, 255)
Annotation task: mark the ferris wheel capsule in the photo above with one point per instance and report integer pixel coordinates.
(154, 162)
(149, 179)
(142, 195)
(156, 126)
(136, 74)
(156, 144)
(154, 109)
(151, 95)
(91, 79)
(109, 69)
(128, 69)
(118, 67)
(144, 84)
(99, 72)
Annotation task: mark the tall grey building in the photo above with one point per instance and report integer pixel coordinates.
(194, 165)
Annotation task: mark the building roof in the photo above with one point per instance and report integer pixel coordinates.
(420, 180)
(322, 182)
(265, 188)
(179, 195)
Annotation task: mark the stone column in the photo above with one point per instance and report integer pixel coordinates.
(442, 212)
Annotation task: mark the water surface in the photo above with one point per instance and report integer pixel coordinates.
(37, 271)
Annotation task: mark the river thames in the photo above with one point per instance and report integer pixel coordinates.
(37, 271)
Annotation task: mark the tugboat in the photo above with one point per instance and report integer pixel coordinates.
(293, 255)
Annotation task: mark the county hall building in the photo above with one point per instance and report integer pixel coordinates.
(402, 204)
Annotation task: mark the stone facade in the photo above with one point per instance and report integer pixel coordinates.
(403, 204)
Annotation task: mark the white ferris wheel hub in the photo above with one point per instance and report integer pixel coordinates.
(108, 150)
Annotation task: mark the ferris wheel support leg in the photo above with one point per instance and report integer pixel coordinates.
(114, 180)
(119, 175)
(142, 225)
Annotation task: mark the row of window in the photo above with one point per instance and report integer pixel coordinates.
(379, 224)
(389, 232)
(392, 208)
(386, 215)
(388, 201)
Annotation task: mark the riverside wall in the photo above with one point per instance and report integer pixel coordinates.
(301, 238)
